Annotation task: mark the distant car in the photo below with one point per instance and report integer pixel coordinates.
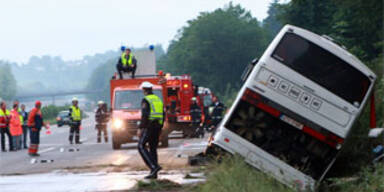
(62, 118)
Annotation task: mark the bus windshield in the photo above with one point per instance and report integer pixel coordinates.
(131, 99)
(322, 67)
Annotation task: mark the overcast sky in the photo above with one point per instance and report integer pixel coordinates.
(74, 28)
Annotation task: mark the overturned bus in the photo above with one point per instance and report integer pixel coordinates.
(298, 103)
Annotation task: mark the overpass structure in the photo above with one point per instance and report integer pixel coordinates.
(54, 95)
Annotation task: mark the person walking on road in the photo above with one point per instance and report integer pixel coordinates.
(4, 129)
(35, 123)
(24, 125)
(150, 128)
(75, 117)
(196, 115)
(127, 63)
(217, 114)
(15, 126)
(101, 117)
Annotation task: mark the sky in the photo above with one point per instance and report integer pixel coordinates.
(75, 28)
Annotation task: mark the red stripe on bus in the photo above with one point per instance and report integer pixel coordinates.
(274, 112)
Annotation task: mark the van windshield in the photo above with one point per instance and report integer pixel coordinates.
(322, 67)
(131, 99)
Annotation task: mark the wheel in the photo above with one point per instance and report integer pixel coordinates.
(116, 145)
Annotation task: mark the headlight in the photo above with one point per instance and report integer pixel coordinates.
(118, 123)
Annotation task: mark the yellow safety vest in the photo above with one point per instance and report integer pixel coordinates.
(76, 114)
(7, 113)
(21, 117)
(126, 61)
(156, 106)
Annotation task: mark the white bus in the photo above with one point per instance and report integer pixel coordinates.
(298, 103)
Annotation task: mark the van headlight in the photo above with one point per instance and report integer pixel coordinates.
(117, 123)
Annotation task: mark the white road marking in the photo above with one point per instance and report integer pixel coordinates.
(46, 150)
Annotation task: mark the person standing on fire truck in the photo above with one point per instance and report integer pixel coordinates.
(127, 63)
(101, 121)
(75, 117)
(150, 128)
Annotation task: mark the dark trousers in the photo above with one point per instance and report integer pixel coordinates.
(25, 135)
(102, 128)
(74, 131)
(120, 68)
(34, 135)
(3, 132)
(150, 136)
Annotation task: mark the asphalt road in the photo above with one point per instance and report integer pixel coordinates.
(58, 155)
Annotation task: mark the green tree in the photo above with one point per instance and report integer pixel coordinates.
(215, 47)
(272, 23)
(7, 82)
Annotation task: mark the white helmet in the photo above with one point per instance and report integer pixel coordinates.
(100, 102)
(146, 85)
(75, 99)
(193, 99)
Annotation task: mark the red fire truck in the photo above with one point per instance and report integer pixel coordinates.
(177, 93)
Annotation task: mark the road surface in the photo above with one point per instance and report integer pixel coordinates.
(61, 159)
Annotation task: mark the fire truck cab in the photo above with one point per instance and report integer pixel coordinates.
(126, 97)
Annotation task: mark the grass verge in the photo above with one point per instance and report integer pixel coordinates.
(370, 179)
(233, 174)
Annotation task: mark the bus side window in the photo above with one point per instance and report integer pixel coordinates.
(248, 70)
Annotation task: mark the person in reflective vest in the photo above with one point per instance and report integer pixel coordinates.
(75, 117)
(127, 63)
(152, 119)
(15, 122)
(35, 123)
(4, 129)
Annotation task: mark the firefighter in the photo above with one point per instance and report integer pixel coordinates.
(4, 129)
(195, 112)
(75, 117)
(150, 128)
(101, 121)
(218, 109)
(127, 63)
(35, 123)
